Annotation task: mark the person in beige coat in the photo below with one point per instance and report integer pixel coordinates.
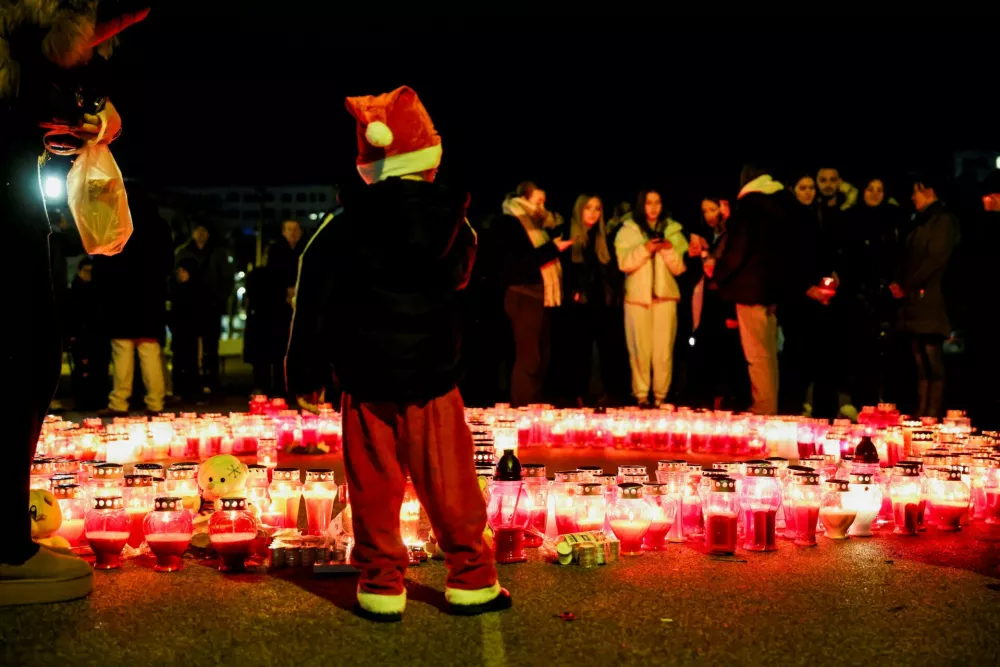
(651, 254)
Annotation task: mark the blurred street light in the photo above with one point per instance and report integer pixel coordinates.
(53, 187)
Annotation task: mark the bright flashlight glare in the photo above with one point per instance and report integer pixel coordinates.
(691, 341)
(53, 187)
(998, 162)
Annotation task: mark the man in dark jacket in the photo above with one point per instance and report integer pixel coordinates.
(749, 272)
(923, 312)
(377, 299)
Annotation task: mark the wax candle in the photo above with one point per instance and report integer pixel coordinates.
(950, 499)
(285, 491)
(760, 499)
(168, 530)
(320, 492)
(992, 511)
(536, 493)
(232, 532)
(905, 490)
(630, 518)
(720, 533)
(865, 498)
(107, 531)
(664, 513)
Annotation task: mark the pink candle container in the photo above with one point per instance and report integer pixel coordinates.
(836, 513)
(107, 529)
(536, 503)
(991, 491)
(137, 497)
(664, 515)
(310, 430)
(286, 492)
(721, 516)
(168, 529)
(182, 482)
(267, 453)
(674, 477)
(258, 404)
(258, 498)
(865, 499)
(107, 481)
(506, 513)
(680, 428)
(806, 500)
(630, 517)
(563, 492)
(701, 434)
(232, 531)
(41, 473)
(589, 507)
(739, 436)
(660, 433)
(72, 506)
(691, 505)
(906, 493)
(320, 492)
(759, 499)
(950, 500)
(154, 470)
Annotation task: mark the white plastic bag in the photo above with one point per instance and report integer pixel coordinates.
(96, 195)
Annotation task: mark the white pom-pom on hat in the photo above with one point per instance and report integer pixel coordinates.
(378, 134)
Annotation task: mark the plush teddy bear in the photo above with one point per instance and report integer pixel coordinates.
(46, 517)
(223, 476)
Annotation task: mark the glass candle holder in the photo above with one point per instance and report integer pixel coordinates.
(609, 482)
(950, 499)
(865, 498)
(630, 517)
(107, 529)
(590, 473)
(991, 490)
(906, 491)
(107, 481)
(589, 506)
(721, 515)
(168, 529)
(409, 516)
(787, 483)
(182, 482)
(138, 497)
(154, 470)
(506, 513)
(505, 434)
(806, 496)
(691, 507)
(760, 499)
(72, 506)
(674, 476)
(267, 452)
(258, 498)
(536, 503)
(563, 490)
(663, 516)
(232, 531)
(41, 474)
(320, 492)
(286, 492)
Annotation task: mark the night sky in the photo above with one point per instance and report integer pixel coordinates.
(212, 96)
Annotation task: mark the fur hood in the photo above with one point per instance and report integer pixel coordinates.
(64, 32)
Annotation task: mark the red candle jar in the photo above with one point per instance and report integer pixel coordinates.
(138, 498)
(674, 476)
(536, 503)
(409, 515)
(107, 529)
(232, 531)
(310, 430)
(72, 506)
(286, 492)
(107, 481)
(320, 492)
(630, 518)
(154, 470)
(589, 506)
(721, 516)
(760, 499)
(258, 498)
(662, 518)
(258, 404)
(691, 506)
(563, 491)
(950, 499)
(168, 530)
(41, 474)
(806, 499)
(786, 480)
(906, 492)
(267, 453)
(701, 433)
(991, 512)
(506, 513)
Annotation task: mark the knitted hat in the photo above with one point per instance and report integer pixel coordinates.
(395, 135)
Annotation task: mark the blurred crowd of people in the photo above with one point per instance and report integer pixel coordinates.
(799, 295)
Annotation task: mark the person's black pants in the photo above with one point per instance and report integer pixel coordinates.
(928, 355)
(209, 329)
(530, 322)
(90, 373)
(184, 346)
(811, 354)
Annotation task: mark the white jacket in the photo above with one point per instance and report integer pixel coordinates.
(646, 276)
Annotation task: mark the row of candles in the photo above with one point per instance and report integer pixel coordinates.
(756, 500)
(106, 509)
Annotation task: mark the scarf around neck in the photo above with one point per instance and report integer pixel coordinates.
(528, 215)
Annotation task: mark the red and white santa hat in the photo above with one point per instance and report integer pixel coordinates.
(395, 135)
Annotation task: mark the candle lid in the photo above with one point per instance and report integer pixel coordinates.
(654, 489)
(109, 503)
(168, 504)
(66, 491)
(756, 462)
(723, 485)
(722, 465)
(233, 504)
(594, 470)
(760, 471)
(138, 481)
(961, 469)
(830, 458)
(590, 489)
(709, 474)
(607, 479)
(267, 442)
(256, 470)
(630, 490)
(838, 485)
(861, 478)
(319, 475)
(109, 471)
(908, 471)
(63, 479)
(568, 476)
(41, 467)
(175, 473)
(508, 467)
(952, 475)
(632, 470)
(923, 435)
(800, 468)
(533, 469)
(806, 478)
(286, 474)
(152, 469)
(694, 468)
(673, 465)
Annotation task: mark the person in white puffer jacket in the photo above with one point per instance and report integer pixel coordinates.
(651, 254)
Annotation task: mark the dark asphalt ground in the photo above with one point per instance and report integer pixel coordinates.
(929, 600)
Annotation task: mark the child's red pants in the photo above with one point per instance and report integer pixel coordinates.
(431, 441)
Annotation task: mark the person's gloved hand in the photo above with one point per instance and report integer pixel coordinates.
(90, 129)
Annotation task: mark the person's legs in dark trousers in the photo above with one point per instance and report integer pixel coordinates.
(928, 356)
(210, 331)
(577, 348)
(615, 373)
(825, 353)
(531, 342)
(185, 364)
(793, 366)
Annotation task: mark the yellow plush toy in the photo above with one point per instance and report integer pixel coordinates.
(46, 517)
(222, 476)
(434, 549)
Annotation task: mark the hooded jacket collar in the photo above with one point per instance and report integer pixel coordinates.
(762, 184)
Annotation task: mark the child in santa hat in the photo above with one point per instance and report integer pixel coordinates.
(377, 300)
